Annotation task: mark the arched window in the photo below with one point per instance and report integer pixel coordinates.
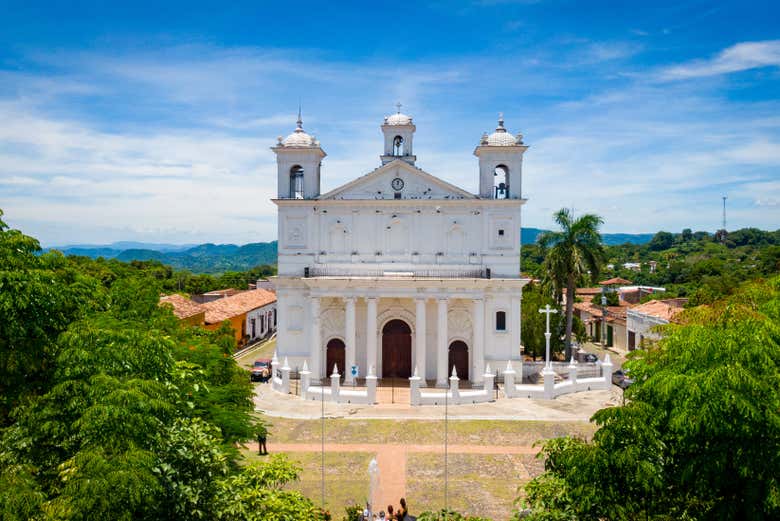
(501, 182)
(296, 182)
(398, 146)
(500, 320)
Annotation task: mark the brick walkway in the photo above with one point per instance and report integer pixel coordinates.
(391, 458)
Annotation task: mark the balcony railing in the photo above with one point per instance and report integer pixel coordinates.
(411, 273)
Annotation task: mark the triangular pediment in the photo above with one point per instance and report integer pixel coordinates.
(381, 184)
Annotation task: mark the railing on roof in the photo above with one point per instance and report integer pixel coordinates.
(410, 273)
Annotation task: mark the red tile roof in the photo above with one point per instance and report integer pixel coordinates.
(664, 309)
(613, 312)
(587, 291)
(182, 306)
(227, 292)
(616, 281)
(238, 304)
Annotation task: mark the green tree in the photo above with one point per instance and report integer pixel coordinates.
(533, 323)
(571, 254)
(661, 241)
(698, 437)
(259, 494)
(39, 296)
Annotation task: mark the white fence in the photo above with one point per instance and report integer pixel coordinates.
(550, 389)
(454, 395)
(534, 370)
(571, 378)
(335, 393)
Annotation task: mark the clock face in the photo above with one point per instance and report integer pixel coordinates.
(397, 183)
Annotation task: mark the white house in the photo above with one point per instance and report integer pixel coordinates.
(641, 319)
(399, 269)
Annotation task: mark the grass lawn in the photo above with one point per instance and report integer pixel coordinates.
(346, 480)
(483, 485)
(424, 432)
(479, 484)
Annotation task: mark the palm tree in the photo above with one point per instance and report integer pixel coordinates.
(570, 254)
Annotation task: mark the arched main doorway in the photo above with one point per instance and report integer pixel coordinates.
(459, 357)
(334, 354)
(396, 349)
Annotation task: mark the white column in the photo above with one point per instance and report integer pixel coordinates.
(315, 346)
(371, 334)
(420, 338)
(441, 344)
(514, 330)
(349, 336)
(478, 349)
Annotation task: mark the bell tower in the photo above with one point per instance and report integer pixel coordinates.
(398, 130)
(500, 164)
(298, 160)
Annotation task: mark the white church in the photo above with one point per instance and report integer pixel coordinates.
(399, 269)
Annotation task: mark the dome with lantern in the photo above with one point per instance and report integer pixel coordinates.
(299, 137)
(398, 119)
(501, 138)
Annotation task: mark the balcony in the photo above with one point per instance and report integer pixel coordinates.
(413, 273)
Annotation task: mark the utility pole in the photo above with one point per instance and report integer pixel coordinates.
(723, 235)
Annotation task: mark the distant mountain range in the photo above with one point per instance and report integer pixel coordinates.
(219, 258)
(529, 235)
(201, 258)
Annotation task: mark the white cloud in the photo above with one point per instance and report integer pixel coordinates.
(193, 163)
(740, 57)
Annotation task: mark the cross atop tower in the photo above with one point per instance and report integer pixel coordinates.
(398, 106)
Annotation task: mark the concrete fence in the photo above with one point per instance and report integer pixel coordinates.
(551, 389)
(558, 379)
(454, 395)
(335, 393)
(534, 370)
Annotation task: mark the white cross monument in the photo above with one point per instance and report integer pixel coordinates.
(547, 310)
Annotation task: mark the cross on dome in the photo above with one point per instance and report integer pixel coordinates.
(398, 106)
(299, 123)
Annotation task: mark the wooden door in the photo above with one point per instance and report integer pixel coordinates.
(335, 355)
(396, 350)
(459, 357)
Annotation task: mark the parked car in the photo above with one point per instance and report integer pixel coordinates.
(585, 357)
(621, 379)
(262, 370)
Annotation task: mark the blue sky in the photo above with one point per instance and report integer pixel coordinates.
(153, 122)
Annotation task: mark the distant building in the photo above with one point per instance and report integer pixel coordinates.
(642, 318)
(251, 314)
(591, 315)
(185, 309)
(634, 294)
(215, 295)
(265, 284)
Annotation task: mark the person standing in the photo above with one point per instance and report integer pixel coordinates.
(262, 436)
(402, 512)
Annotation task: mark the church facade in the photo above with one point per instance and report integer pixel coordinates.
(399, 270)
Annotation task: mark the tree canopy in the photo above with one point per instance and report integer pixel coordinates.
(571, 254)
(113, 409)
(699, 436)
